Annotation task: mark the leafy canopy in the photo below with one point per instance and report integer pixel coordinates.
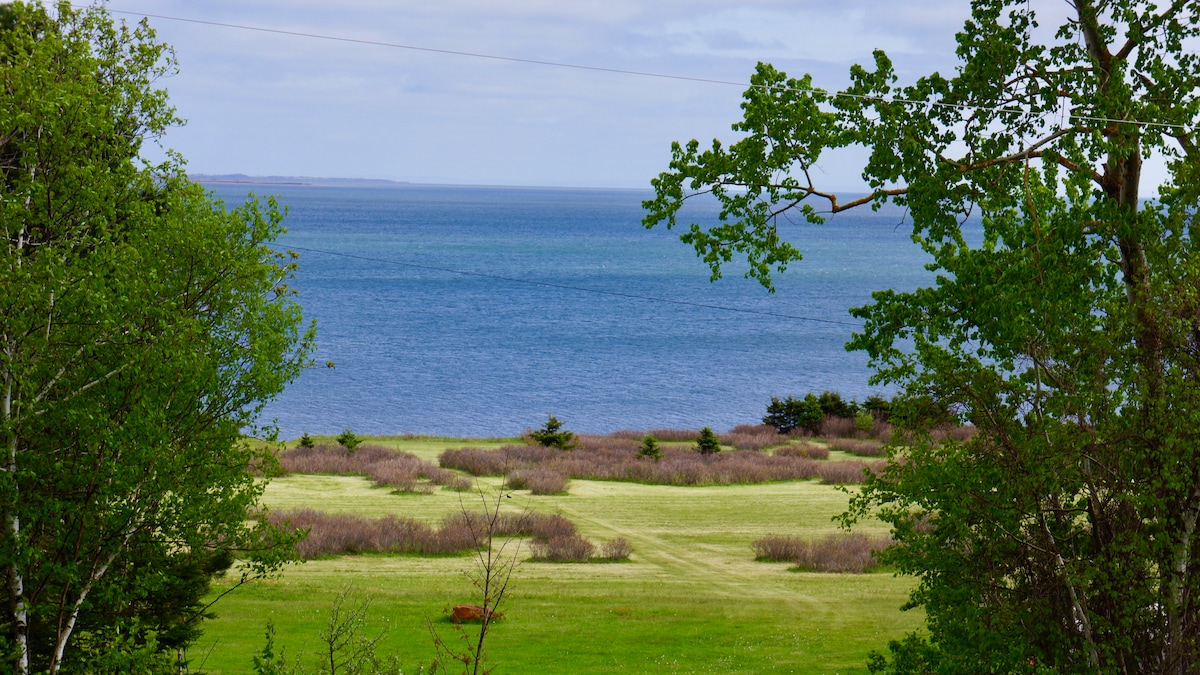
(1062, 534)
(142, 328)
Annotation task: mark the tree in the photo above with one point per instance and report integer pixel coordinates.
(649, 448)
(142, 329)
(795, 413)
(707, 444)
(552, 435)
(348, 439)
(1063, 533)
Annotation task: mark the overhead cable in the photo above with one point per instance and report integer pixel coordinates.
(643, 73)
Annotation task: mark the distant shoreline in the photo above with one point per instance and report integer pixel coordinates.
(309, 181)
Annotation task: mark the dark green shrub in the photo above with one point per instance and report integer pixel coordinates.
(708, 444)
(650, 448)
(552, 435)
(793, 413)
(833, 405)
(306, 441)
(878, 406)
(347, 439)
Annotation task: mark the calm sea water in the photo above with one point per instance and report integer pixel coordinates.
(421, 347)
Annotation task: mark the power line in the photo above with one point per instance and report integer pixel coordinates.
(643, 73)
(433, 50)
(568, 287)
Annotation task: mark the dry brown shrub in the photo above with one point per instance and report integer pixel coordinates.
(806, 450)
(335, 534)
(661, 434)
(756, 437)
(616, 549)
(842, 553)
(864, 448)
(546, 482)
(563, 549)
(475, 461)
(605, 458)
(837, 427)
(386, 467)
(881, 430)
(776, 548)
(848, 471)
(546, 527)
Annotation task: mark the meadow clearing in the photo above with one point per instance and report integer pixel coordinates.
(691, 599)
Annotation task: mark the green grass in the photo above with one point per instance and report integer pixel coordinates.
(691, 600)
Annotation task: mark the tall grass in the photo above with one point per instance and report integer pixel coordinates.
(610, 458)
(401, 471)
(844, 552)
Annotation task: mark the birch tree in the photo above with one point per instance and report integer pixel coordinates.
(142, 328)
(1062, 535)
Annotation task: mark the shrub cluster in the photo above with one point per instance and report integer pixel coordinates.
(808, 450)
(609, 458)
(537, 481)
(864, 448)
(337, 534)
(753, 437)
(669, 435)
(852, 552)
(401, 471)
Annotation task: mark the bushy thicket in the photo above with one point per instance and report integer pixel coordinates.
(842, 552)
(337, 534)
(401, 471)
(609, 458)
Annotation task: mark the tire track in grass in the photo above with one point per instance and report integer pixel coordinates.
(680, 561)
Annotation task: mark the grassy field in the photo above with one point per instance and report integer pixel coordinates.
(691, 600)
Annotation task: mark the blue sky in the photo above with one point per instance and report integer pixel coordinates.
(267, 104)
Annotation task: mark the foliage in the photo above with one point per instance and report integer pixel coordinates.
(491, 576)
(307, 441)
(617, 459)
(348, 440)
(616, 549)
(707, 444)
(142, 328)
(878, 406)
(1062, 533)
(552, 435)
(346, 647)
(650, 449)
(864, 421)
(792, 413)
(833, 405)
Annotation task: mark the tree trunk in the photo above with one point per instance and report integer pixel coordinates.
(18, 613)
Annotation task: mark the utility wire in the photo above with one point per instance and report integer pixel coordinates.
(642, 73)
(582, 289)
(433, 50)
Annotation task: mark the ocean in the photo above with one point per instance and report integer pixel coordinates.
(478, 311)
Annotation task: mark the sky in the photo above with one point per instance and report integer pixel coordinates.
(268, 104)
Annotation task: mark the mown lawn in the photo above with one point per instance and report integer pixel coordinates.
(691, 600)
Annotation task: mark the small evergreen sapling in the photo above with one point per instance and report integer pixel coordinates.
(306, 441)
(552, 435)
(348, 439)
(707, 444)
(650, 449)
